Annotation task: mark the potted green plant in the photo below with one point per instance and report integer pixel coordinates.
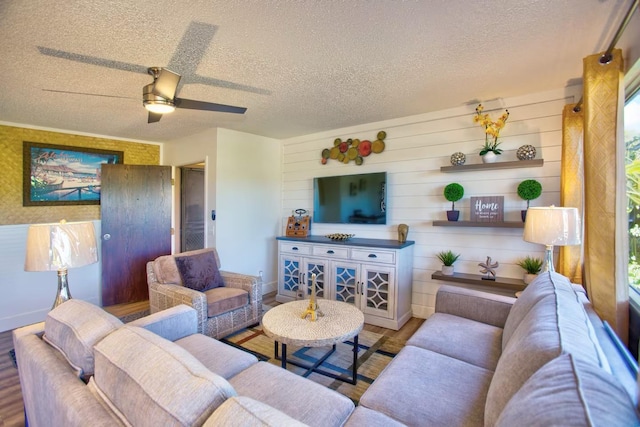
(528, 190)
(447, 258)
(531, 267)
(490, 151)
(453, 192)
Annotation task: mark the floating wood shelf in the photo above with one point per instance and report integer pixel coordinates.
(502, 285)
(505, 224)
(498, 165)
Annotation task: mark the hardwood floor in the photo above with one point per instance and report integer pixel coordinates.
(11, 407)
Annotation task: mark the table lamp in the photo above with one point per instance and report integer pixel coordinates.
(552, 226)
(60, 246)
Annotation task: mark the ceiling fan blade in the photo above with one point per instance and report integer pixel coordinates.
(207, 106)
(154, 117)
(93, 60)
(87, 94)
(166, 84)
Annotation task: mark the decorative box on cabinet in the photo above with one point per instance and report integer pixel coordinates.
(375, 275)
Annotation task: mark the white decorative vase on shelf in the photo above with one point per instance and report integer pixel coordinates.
(489, 157)
(528, 278)
(447, 270)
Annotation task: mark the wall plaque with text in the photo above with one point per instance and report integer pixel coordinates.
(487, 209)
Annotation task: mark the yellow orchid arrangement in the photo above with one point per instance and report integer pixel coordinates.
(491, 129)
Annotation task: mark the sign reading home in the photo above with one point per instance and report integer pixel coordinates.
(487, 209)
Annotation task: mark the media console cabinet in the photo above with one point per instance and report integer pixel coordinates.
(375, 275)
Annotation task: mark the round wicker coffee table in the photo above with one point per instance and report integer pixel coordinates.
(341, 321)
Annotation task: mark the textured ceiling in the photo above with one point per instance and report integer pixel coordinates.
(299, 67)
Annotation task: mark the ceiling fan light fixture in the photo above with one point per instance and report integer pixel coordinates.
(159, 107)
(155, 103)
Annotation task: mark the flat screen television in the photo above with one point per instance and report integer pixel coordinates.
(350, 199)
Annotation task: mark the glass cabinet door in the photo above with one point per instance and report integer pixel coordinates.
(345, 283)
(377, 290)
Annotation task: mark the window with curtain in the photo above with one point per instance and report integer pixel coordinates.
(632, 161)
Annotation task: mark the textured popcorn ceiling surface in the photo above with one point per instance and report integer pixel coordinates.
(299, 67)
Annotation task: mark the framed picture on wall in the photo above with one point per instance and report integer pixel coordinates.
(56, 175)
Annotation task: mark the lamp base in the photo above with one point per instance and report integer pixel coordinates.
(63, 294)
(548, 259)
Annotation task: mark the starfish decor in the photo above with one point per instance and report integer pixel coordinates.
(488, 268)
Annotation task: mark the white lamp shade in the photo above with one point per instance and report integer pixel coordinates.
(60, 246)
(553, 226)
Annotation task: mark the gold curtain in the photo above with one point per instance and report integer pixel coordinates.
(606, 285)
(570, 261)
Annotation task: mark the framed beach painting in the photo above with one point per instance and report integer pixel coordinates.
(55, 175)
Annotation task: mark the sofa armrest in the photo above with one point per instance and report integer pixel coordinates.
(172, 324)
(474, 305)
(251, 284)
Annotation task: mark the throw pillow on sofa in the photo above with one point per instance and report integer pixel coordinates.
(199, 271)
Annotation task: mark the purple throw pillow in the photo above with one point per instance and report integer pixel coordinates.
(199, 271)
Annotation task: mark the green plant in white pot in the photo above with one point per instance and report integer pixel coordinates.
(447, 258)
(531, 267)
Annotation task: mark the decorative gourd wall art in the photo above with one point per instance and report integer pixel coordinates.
(353, 149)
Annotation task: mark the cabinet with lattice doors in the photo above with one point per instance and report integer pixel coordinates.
(374, 275)
(296, 271)
(371, 288)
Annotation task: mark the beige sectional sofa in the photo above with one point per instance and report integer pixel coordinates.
(82, 367)
(485, 360)
(481, 359)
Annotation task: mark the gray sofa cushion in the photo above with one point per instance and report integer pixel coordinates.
(453, 336)
(74, 327)
(366, 417)
(432, 390)
(545, 284)
(569, 392)
(243, 411)
(301, 399)
(154, 382)
(557, 323)
(219, 358)
(474, 305)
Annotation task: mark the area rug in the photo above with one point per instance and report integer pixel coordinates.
(375, 351)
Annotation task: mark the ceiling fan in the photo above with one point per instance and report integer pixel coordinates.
(159, 97)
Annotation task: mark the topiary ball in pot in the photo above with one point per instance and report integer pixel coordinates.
(453, 192)
(528, 190)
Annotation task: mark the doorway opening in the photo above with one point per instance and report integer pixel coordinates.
(192, 227)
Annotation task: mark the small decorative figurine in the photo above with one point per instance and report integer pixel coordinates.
(313, 308)
(488, 268)
(403, 230)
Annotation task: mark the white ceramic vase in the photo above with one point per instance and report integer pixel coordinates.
(528, 278)
(490, 157)
(447, 270)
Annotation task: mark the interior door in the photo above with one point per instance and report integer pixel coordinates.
(191, 209)
(135, 206)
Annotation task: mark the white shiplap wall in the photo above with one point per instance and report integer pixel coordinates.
(416, 148)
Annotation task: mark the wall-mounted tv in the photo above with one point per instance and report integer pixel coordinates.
(350, 199)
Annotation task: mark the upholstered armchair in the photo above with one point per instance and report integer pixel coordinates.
(224, 303)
